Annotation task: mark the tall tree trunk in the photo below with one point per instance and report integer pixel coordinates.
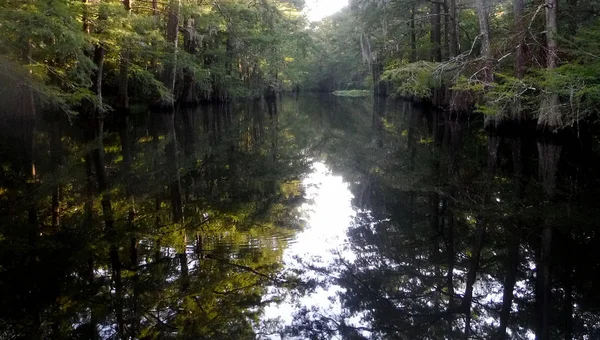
(170, 72)
(573, 16)
(484, 33)
(122, 93)
(99, 55)
(446, 52)
(190, 44)
(518, 12)
(413, 36)
(436, 32)
(549, 117)
(453, 16)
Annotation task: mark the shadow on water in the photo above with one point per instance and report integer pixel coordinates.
(211, 222)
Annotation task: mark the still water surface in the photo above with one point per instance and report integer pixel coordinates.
(312, 217)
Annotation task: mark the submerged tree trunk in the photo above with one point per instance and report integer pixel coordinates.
(550, 118)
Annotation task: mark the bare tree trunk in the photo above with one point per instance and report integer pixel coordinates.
(436, 32)
(446, 52)
(518, 11)
(413, 36)
(484, 32)
(573, 18)
(550, 117)
(123, 94)
(453, 15)
(169, 74)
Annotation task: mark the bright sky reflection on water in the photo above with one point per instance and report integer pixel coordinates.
(328, 214)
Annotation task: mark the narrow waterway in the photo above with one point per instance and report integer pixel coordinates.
(309, 217)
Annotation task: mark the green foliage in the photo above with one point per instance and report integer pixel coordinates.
(353, 93)
(413, 80)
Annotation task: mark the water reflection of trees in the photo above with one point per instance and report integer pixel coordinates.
(460, 234)
(163, 226)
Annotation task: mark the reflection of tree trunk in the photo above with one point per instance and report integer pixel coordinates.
(512, 262)
(185, 274)
(377, 71)
(272, 108)
(93, 314)
(493, 145)
(517, 159)
(126, 146)
(450, 253)
(472, 275)
(56, 150)
(549, 156)
(117, 280)
(451, 259)
(173, 170)
(568, 284)
(543, 286)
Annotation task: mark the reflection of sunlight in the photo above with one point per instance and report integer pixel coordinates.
(328, 214)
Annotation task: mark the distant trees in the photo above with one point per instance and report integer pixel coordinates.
(107, 53)
(505, 59)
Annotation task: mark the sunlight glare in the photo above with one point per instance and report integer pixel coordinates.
(318, 9)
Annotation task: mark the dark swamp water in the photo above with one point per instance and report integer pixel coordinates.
(316, 217)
